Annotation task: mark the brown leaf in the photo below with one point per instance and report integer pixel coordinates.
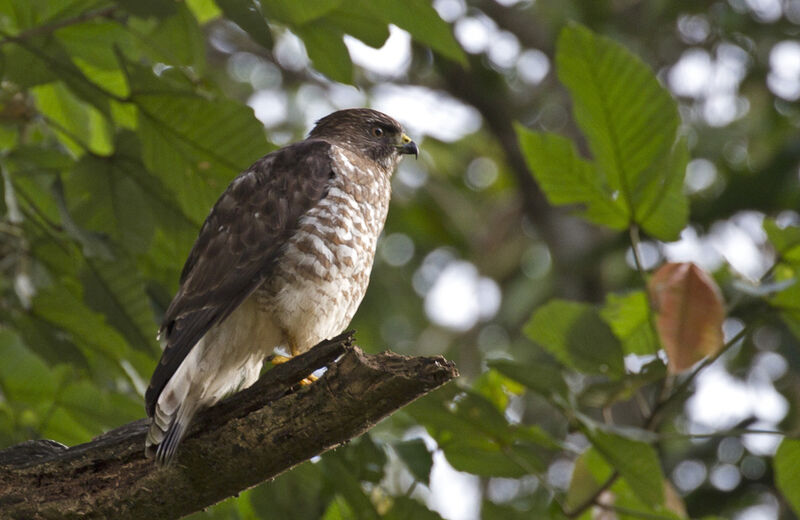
(690, 313)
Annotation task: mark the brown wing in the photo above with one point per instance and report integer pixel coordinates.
(238, 246)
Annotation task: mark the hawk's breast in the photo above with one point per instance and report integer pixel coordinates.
(324, 269)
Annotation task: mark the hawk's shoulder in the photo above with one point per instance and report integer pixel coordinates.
(238, 246)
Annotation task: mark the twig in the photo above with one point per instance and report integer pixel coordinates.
(651, 423)
(592, 500)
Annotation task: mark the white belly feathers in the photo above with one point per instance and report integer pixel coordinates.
(324, 270)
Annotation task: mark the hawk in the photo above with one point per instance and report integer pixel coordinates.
(282, 260)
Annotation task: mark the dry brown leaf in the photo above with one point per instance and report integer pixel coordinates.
(690, 313)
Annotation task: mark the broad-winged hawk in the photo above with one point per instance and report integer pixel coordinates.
(283, 259)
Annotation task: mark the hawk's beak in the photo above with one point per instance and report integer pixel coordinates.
(408, 147)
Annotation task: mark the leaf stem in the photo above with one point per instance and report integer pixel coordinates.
(633, 232)
(724, 433)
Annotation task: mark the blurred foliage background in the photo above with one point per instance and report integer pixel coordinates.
(122, 121)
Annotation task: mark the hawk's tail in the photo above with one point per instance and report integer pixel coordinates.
(168, 426)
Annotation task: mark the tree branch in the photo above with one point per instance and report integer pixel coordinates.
(250, 437)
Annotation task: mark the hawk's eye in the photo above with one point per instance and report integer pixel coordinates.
(377, 131)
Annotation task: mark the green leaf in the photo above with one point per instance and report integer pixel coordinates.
(664, 209)
(113, 81)
(22, 67)
(472, 407)
(116, 288)
(604, 393)
(421, 20)
(576, 335)
(295, 494)
(327, 50)
(342, 479)
(542, 377)
(340, 509)
(628, 316)
(29, 158)
(146, 8)
(568, 179)
(788, 299)
(48, 342)
(61, 308)
(97, 410)
(526, 510)
(355, 18)
(24, 376)
(483, 457)
(178, 39)
(364, 458)
(636, 461)
(103, 198)
(93, 47)
(416, 457)
(62, 427)
(591, 471)
(787, 471)
(629, 119)
(204, 10)
(28, 13)
(195, 145)
(785, 240)
(475, 437)
(24, 14)
(404, 508)
(62, 10)
(9, 137)
(40, 60)
(298, 13)
(161, 203)
(496, 388)
(247, 15)
(83, 125)
(630, 122)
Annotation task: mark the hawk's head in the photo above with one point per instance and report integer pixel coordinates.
(368, 132)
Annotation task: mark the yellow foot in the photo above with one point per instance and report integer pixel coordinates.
(277, 359)
(308, 380)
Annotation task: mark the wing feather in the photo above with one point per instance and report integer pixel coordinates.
(238, 245)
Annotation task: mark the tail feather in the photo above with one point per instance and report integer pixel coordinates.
(177, 430)
(167, 431)
(172, 415)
